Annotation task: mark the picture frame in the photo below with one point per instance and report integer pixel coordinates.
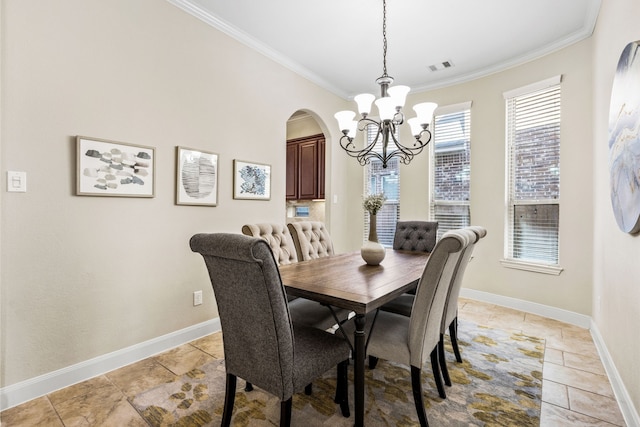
(196, 177)
(112, 168)
(251, 181)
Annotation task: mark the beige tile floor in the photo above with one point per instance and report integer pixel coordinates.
(575, 391)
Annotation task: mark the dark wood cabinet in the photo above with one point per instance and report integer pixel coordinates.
(305, 168)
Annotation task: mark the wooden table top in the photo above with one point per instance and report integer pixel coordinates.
(346, 281)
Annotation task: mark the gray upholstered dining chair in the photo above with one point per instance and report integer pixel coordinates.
(410, 340)
(311, 239)
(415, 235)
(261, 344)
(302, 310)
(404, 303)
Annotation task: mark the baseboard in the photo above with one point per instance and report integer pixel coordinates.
(24, 391)
(631, 417)
(629, 412)
(566, 316)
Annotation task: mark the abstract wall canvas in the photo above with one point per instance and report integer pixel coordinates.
(251, 180)
(110, 168)
(196, 177)
(624, 140)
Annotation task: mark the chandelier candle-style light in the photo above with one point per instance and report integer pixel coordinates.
(390, 106)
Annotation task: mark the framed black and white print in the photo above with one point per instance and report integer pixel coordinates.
(251, 181)
(110, 168)
(196, 177)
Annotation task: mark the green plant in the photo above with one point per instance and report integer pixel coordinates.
(373, 203)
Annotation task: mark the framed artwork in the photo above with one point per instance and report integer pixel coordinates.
(251, 180)
(196, 177)
(624, 140)
(110, 168)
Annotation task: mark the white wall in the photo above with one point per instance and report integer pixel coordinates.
(85, 276)
(616, 281)
(571, 290)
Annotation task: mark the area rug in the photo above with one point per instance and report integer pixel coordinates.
(498, 384)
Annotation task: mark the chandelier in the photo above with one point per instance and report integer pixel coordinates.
(390, 113)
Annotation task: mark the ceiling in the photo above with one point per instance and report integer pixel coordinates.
(337, 44)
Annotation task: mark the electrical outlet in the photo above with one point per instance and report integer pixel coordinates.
(197, 298)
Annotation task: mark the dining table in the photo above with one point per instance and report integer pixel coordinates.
(346, 281)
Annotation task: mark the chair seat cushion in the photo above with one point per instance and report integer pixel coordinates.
(312, 313)
(389, 339)
(315, 351)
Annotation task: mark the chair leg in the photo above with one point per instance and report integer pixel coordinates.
(308, 389)
(248, 386)
(373, 362)
(416, 386)
(285, 412)
(342, 389)
(453, 334)
(229, 398)
(435, 366)
(443, 361)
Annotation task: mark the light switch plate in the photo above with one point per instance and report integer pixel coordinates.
(16, 182)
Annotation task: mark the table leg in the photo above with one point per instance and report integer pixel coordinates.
(358, 369)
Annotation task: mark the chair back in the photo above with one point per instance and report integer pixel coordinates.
(431, 294)
(415, 235)
(311, 239)
(256, 327)
(279, 239)
(451, 305)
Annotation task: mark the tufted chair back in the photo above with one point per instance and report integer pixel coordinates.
(278, 237)
(415, 235)
(311, 239)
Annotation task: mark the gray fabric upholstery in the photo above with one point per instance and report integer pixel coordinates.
(261, 344)
(311, 239)
(278, 237)
(415, 235)
(410, 340)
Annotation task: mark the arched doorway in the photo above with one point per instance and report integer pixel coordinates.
(305, 195)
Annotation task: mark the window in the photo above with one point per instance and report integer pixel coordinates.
(451, 168)
(533, 176)
(379, 180)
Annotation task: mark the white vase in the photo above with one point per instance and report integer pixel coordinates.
(372, 252)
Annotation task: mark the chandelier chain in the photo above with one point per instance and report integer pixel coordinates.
(384, 38)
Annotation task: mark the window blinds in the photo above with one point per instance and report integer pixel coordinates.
(533, 143)
(379, 180)
(451, 171)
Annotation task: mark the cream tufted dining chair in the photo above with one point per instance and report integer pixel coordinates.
(311, 239)
(404, 304)
(278, 237)
(303, 311)
(411, 340)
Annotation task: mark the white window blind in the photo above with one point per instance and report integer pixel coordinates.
(533, 171)
(387, 181)
(451, 170)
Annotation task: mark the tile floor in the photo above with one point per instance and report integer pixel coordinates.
(575, 391)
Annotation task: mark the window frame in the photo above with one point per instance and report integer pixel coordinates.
(511, 201)
(464, 107)
(390, 203)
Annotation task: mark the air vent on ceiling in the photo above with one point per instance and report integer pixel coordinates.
(441, 66)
